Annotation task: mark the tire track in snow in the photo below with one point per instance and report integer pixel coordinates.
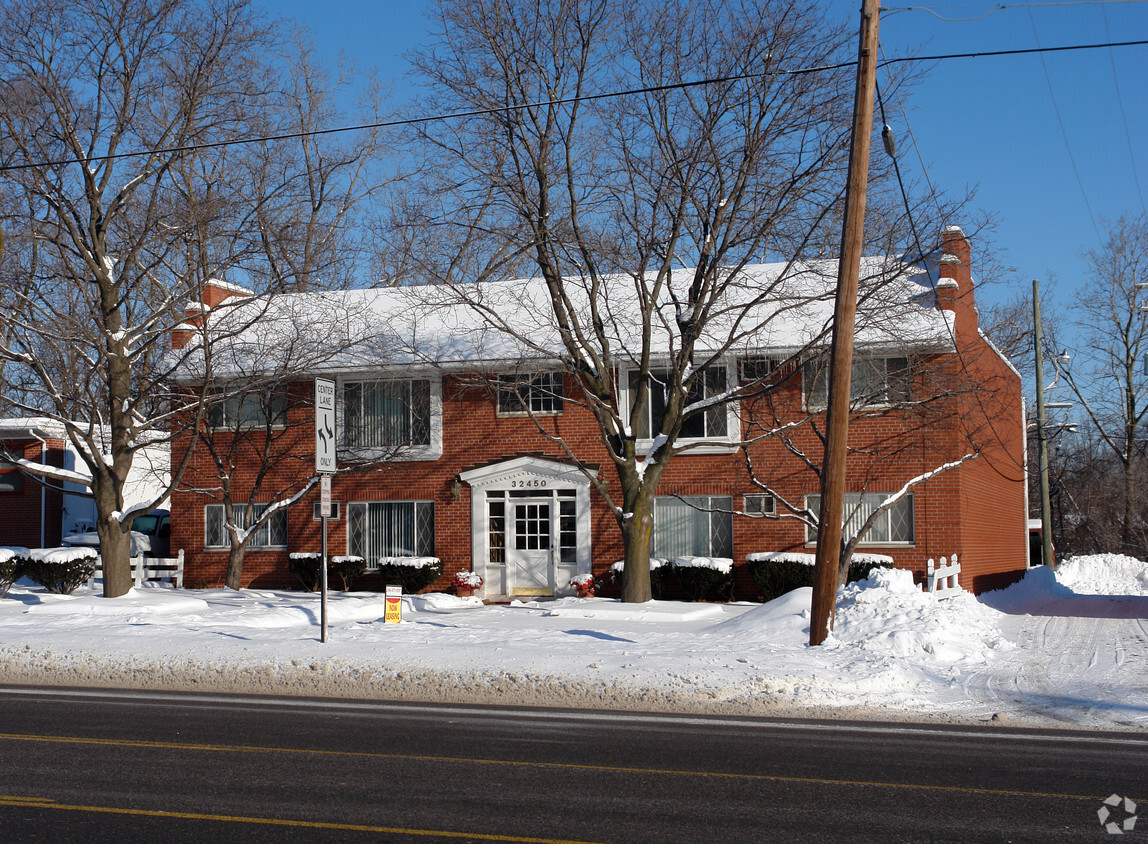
(1070, 669)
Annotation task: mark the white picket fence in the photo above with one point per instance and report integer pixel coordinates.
(943, 580)
(168, 569)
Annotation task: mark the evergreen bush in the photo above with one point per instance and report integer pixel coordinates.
(414, 576)
(11, 569)
(348, 568)
(775, 577)
(305, 566)
(699, 583)
(60, 570)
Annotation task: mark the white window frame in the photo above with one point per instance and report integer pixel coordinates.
(431, 450)
(815, 382)
(719, 444)
(854, 516)
(530, 389)
(262, 533)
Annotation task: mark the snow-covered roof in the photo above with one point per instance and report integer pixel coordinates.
(768, 309)
(24, 427)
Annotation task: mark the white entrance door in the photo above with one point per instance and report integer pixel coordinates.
(530, 546)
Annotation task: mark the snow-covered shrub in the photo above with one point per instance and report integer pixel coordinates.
(12, 562)
(413, 573)
(778, 572)
(61, 570)
(348, 568)
(660, 571)
(305, 566)
(705, 577)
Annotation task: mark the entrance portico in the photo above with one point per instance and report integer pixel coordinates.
(530, 525)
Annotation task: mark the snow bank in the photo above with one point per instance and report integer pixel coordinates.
(894, 652)
(1104, 574)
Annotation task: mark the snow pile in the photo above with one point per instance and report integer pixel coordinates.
(1104, 574)
(10, 552)
(1036, 589)
(63, 555)
(888, 613)
(722, 564)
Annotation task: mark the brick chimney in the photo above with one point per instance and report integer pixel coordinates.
(954, 288)
(212, 294)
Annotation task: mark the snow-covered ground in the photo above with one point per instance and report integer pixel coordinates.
(1069, 648)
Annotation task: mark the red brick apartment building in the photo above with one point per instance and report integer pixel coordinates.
(485, 481)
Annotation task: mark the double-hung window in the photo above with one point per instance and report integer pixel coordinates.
(377, 530)
(874, 381)
(693, 526)
(270, 534)
(892, 527)
(391, 414)
(260, 409)
(535, 393)
(712, 422)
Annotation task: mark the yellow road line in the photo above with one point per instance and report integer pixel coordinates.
(230, 748)
(44, 803)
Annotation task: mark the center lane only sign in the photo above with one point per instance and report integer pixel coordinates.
(324, 425)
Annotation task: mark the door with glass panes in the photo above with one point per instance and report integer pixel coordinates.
(539, 539)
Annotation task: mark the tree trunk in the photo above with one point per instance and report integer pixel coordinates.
(115, 552)
(637, 534)
(235, 564)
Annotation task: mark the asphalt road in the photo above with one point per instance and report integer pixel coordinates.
(139, 766)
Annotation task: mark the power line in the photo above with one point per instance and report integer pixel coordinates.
(1123, 116)
(1064, 132)
(413, 121)
(999, 7)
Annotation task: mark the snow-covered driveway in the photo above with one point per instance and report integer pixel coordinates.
(1081, 655)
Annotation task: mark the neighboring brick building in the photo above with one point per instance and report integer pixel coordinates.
(39, 515)
(484, 485)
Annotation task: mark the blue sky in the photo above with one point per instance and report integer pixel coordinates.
(989, 123)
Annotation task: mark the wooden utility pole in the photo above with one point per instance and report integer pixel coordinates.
(844, 317)
(1042, 432)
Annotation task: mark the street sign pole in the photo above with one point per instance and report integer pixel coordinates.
(325, 466)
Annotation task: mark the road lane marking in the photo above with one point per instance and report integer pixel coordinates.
(512, 763)
(45, 803)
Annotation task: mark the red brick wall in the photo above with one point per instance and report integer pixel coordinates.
(954, 513)
(20, 524)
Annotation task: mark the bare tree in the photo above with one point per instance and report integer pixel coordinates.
(640, 213)
(120, 208)
(918, 391)
(1108, 374)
